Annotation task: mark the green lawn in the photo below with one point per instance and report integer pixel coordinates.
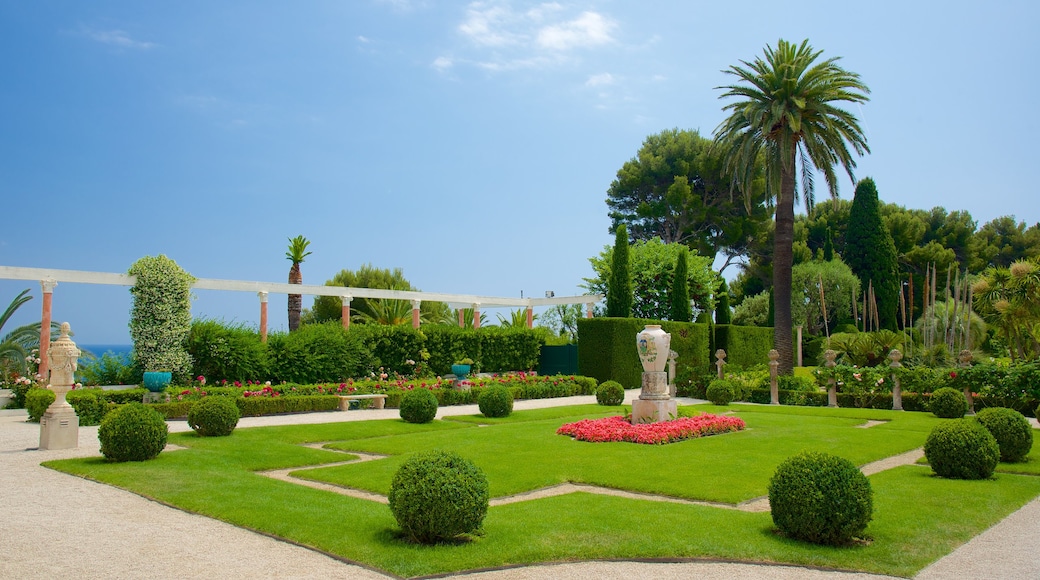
(917, 519)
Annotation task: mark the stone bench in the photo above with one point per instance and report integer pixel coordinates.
(377, 400)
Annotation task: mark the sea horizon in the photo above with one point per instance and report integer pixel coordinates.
(121, 350)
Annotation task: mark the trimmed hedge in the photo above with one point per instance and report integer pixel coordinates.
(820, 498)
(1012, 431)
(610, 394)
(437, 496)
(948, 403)
(214, 417)
(495, 401)
(132, 432)
(745, 346)
(607, 347)
(720, 392)
(419, 406)
(962, 449)
(36, 402)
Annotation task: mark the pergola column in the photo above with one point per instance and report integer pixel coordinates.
(476, 315)
(45, 326)
(462, 318)
(346, 310)
(530, 316)
(415, 313)
(588, 310)
(263, 315)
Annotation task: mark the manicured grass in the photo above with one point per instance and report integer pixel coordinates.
(918, 517)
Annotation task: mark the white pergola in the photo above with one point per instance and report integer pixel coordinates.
(49, 279)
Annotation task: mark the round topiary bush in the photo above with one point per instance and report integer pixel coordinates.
(132, 432)
(721, 392)
(495, 401)
(610, 393)
(36, 402)
(820, 498)
(214, 416)
(948, 403)
(1012, 431)
(438, 495)
(962, 449)
(419, 406)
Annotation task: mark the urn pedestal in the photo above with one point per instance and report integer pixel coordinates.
(59, 425)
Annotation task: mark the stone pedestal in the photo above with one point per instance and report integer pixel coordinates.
(654, 403)
(59, 429)
(151, 397)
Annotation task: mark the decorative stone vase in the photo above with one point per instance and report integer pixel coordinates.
(157, 381)
(460, 371)
(652, 344)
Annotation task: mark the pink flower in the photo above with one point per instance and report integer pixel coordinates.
(618, 429)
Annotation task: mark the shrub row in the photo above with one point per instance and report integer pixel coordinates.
(327, 352)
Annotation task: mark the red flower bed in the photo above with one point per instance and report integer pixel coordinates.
(619, 429)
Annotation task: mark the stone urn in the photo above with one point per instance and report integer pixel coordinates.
(653, 345)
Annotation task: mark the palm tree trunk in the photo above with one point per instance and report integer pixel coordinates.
(783, 260)
(295, 300)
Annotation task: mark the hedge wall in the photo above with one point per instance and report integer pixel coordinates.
(607, 347)
(745, 346)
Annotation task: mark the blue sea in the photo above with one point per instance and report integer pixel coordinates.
(121, 350)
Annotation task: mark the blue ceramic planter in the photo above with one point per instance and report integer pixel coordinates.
(156, 381)
(460, 371)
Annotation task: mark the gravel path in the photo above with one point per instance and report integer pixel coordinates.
(54, 525)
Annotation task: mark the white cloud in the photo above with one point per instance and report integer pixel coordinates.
(600, 80)
(589, 29)
(363, 39)
(118, 38)
(507, 38)
(442, 63)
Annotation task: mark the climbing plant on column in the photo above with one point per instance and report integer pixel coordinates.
(160, 318)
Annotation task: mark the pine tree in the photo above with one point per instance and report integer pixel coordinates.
(619, 290)
(680, 295)
(828, 247)
(871, 253)
(723, 315)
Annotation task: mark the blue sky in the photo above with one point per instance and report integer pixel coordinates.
(469, 143)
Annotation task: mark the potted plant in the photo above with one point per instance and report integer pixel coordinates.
(461, 368)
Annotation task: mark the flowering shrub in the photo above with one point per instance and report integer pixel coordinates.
(619, 429)
(160, 319)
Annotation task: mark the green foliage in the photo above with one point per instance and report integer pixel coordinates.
(328, 308)
(745, 346)
(607, 351)
(723, 314)
(619, 280)
(495, 401)
(437, 496)
(1007, 299)
(392, 347)
(820, 498)
(679, 297)
(871, 253)
(109, 369)
(36, 402)
(752, 311)
(1012, 431)
(160, 319)
(132, 432)
(226, 351)
(562, 320)
(652, 268)
(494, 348)
(1002, 242)
(610, 394)
(214, 416)
(839, 287)
(419, 406)
(948, 403)
(962, 449)
(91, 405)
(317, 353)
(721, 392)
(674, 189)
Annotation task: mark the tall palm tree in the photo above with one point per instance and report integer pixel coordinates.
(786, 115)
(297, 252)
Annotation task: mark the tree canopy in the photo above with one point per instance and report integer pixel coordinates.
(652, 263)
(328, 308)
(674, 189)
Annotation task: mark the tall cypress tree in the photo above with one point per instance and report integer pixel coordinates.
(680, 296)
(619, 290)
(828, 247)
(871, 253)
(723, 315)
